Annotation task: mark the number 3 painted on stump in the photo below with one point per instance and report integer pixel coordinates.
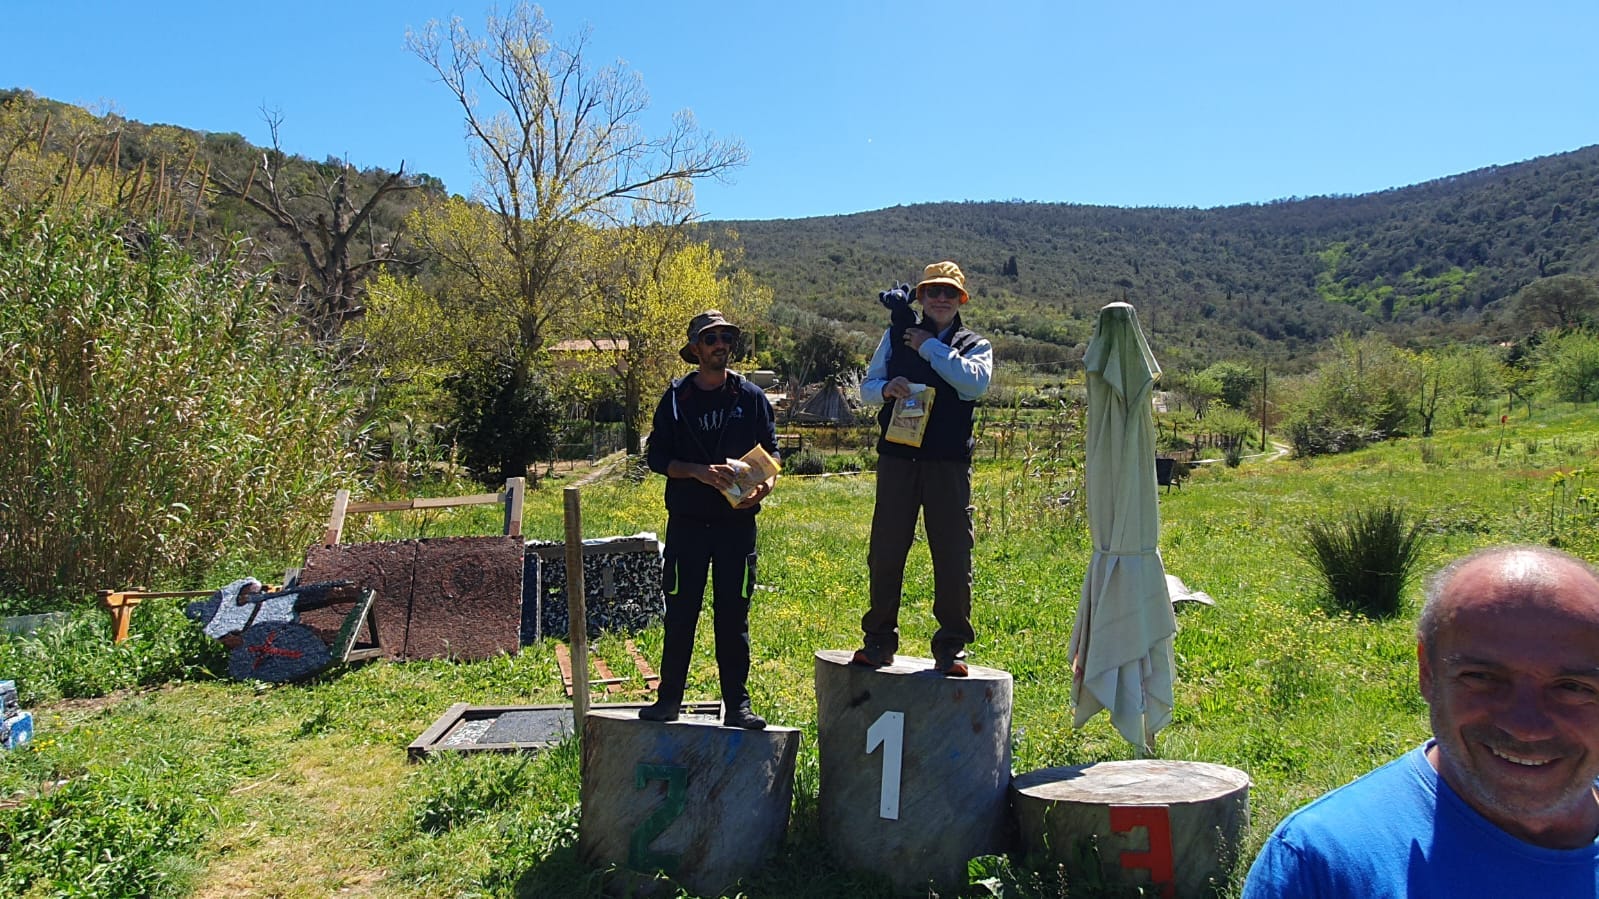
(639, 856)
(888, 731)
(1157, 860)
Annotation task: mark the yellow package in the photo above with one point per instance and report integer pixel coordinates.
(908, 422)
(756, 467)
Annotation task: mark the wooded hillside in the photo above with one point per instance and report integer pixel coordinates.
(1267, 281)
(1252, 281)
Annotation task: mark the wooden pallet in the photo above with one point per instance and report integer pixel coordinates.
(612, 683)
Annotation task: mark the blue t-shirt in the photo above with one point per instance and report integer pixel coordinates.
(1401, 831)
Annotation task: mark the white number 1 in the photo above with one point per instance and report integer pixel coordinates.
(888, 731)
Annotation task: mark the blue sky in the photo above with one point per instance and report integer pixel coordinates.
(857, 105)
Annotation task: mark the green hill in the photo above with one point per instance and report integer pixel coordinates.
(1269, 280)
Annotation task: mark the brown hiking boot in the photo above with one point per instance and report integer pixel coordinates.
(950, 663)
(873, 656)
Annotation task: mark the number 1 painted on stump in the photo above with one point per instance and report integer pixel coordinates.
(888, 731)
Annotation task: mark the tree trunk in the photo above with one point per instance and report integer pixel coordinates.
(704, 803)
(1175, 825)
(914, 767)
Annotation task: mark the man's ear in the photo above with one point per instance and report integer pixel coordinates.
(1424, 673)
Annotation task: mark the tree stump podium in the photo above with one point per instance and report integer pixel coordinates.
(703, 803)
(914, 767)
(1172, 824)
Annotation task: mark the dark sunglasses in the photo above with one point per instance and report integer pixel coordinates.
(712, 338)
(939, 291)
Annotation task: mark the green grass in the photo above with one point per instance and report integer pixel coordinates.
(215, 788)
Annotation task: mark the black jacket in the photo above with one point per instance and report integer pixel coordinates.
(747, 420)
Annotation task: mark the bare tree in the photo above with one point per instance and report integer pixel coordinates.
(326, 227)
(560, 153)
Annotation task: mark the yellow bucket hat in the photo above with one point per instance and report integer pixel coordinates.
(944, 273)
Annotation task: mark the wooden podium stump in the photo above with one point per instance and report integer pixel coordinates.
(914, 767)
(1173, 824)
(706, 804)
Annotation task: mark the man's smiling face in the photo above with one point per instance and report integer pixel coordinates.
(715, 346)
(1512, 683)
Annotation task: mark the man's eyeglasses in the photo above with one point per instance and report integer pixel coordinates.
(712, 338)
(939, 292)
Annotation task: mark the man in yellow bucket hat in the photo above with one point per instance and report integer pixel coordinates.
(933, 476)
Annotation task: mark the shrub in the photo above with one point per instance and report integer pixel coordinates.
(1568, 366)
(154, 409)
(851, 463)
(805, 461)
(1366, 557)
(505, 417)
(76, 659)
(1311, 437)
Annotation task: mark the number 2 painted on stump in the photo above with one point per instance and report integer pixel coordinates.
(888, 731)
(639, 856)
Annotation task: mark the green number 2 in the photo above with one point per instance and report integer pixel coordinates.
(639, 856)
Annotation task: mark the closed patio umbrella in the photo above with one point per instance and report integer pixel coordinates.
(1121, 644)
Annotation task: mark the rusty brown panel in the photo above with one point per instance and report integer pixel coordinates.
(385, 567)
(466, 598)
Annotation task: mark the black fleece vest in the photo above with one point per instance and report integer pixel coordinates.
(949, 431)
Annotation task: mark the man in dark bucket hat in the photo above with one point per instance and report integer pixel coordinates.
(704, 420)
(710, 318)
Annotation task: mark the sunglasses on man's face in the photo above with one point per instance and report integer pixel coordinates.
(712, 338)
(939, 292)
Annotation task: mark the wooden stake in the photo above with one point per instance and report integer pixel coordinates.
(514, 488)
(577, 631)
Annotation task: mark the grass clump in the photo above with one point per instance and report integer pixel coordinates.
(805, 462)
(1367, 557)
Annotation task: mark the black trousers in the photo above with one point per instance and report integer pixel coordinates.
(941, 490)
(727, 553)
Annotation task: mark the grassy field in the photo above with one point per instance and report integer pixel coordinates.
(207, 787)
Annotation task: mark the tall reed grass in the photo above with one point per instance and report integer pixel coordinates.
(156, 412)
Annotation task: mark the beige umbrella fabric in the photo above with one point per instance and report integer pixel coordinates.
(1121, 644)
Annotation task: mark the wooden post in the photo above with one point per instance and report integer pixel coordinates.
(577, 630)
(121, 603)
(120, 606)
(514, 488)
(1173, 825)
(335, 529)
(914, 767)
(706, 804)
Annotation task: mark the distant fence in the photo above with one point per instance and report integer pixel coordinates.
(603, 438)
(998, 434)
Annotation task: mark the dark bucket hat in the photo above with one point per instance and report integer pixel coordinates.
(710, 318)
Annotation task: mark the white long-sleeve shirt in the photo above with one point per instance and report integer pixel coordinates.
(968, 374)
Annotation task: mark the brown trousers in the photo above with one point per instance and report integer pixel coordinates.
(941, 489)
